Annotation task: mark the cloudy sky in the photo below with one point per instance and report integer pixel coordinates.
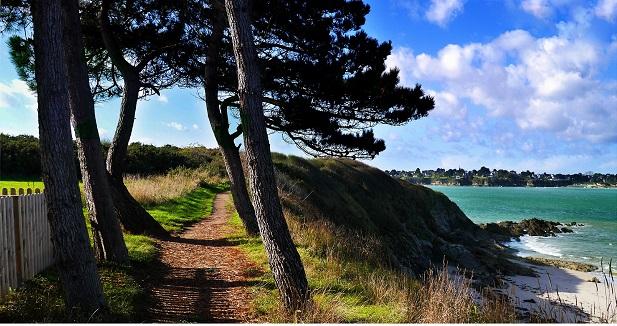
(518, 85)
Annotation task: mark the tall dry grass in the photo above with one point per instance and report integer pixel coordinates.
(439, 296)
(447, 296)
(153, 190)
(441, 299)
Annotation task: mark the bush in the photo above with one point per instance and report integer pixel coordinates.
(19, 157)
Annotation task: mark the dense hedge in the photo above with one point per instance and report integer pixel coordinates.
(19, 157)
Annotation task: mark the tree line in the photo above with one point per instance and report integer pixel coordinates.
(301, 68)
(20, 158)
(487, 177)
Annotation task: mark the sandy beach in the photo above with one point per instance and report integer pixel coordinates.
(566, 295)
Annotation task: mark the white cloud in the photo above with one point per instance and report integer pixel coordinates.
(606, 9)
(454, 161)
(17, 94)
(103, 133)
(162, 98)
(538, 8)
(441, 12)
(559, 163)
(447, 105)
(176, 125)
(546, 84)
(195, 126)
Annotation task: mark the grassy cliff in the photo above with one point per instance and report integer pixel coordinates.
(368, 242)
(413, 227)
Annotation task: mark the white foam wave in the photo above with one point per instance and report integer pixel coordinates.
(528, 245)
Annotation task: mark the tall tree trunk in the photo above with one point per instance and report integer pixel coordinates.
(220, 127)
(74, 258)
(108, 240)
(133, 216)
(283, 257)
(119, 146)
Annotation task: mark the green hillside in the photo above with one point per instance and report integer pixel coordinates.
(415, 226)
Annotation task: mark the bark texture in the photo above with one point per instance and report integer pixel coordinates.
(133, 216)
(217, 115)
(119, 146)
(283, 257)
(108, 239)
(75, 261)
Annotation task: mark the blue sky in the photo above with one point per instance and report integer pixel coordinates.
(519, 85)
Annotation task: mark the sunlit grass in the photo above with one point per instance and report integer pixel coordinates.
(40, 299)
(32, 184)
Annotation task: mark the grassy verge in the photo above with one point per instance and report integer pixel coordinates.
(338, 292)
(40, 299)
(346, 288)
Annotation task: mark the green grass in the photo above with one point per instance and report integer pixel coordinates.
(142, 249)
(333, 284)
(176, 213)
(40, 299)
(21, 184)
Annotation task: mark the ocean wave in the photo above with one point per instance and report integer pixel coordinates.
(528, 245)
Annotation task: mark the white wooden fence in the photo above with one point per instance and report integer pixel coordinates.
(25, 240)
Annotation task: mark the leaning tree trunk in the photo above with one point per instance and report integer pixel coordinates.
(133, 216)
(119, 146)
(220, 127)
(283, 257)
(74, 259)
(108, 240)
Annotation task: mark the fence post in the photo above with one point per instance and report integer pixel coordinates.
(17, 238)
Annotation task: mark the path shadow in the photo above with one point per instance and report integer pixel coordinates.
(193, 295)
(201, 242)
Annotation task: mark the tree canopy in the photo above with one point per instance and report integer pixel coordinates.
(325, 83)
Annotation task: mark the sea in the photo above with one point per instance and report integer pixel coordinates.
(595, 208)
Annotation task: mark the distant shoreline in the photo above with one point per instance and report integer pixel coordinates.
(516, 186)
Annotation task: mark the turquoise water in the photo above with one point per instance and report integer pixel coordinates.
(596, 208)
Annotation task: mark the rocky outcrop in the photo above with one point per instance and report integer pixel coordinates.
(575, 266)
(504, 231)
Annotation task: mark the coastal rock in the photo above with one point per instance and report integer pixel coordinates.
(504, 231)
(538, 227)
(575, 266)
